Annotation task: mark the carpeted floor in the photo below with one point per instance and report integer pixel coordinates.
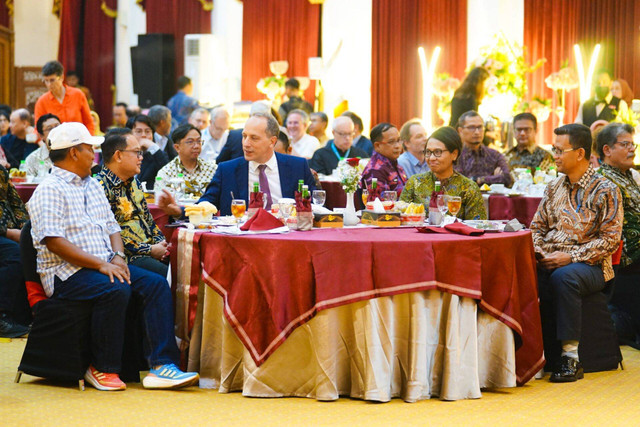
(605, 398)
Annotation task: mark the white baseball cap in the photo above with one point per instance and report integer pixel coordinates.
(70, 134)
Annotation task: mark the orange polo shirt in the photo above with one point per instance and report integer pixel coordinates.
(74, 107)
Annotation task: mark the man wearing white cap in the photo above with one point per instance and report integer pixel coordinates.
(80, 257)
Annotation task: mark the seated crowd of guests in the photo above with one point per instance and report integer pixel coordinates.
(113, 244)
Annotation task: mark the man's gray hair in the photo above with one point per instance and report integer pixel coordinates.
(259, 107)
(219, 111)
(609, 134)
(302, 113)
(341, 120)
(273, 128)
(199, 110)
(23, 114)
(158, 113)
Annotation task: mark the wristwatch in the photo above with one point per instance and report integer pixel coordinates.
(120, 254)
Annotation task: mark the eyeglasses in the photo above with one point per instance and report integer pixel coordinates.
(396, 142)
(627, 145)
(473, 128)
(436, 153)
(560, 152)
(192, 141)
(136, 152)
(344, 134)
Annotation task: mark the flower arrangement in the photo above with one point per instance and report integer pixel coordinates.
(564, 79)
(349, 171)
(539, 107)
(272, 86)
(507, 85)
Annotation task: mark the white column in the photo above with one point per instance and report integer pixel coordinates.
(131, 21)
(37, 32)
(346, 51)
(485, 18)
(226, 25)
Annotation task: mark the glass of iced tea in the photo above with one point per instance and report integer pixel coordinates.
(238, 208)
(454, 203)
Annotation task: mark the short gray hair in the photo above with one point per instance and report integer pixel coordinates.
(340, 120)
(198, 111)
(301, 113)
(609, 134)
(158, 113)
(219, 111)
(273, 128)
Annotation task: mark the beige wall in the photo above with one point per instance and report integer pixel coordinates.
(37, 31)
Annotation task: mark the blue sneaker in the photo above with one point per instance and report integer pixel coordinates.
(169, 376)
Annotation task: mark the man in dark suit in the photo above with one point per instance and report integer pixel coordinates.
(160, 117)
(233, 147)
(326, 159)
(277, 174)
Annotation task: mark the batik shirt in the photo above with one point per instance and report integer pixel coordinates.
(65, 205)
(419, 189)
(531, 157)
(195, 181)
(390, 174)
(139, 230)
(13, 214)
(482, 163)
(583, 220)
(631, 203)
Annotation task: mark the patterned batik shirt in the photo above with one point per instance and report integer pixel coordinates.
(483, 163)
(195, 182)
(419, 189)
(33, 160)
(631, 203)
(13, 214)
(139, 230)
(65, 205)
(583, 220)
(530, 157)
(390, 175)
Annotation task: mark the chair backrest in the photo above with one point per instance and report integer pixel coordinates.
(29, 255)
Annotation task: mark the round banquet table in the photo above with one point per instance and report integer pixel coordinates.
(25, 191)
(523, 208)
(267, 291)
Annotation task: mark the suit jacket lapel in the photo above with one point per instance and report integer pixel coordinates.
(285, 178)
(242, 181)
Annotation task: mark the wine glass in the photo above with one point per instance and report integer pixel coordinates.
(454, 203)
(319, 197)
(238, 208)
(285, 210)
(365, 196)
(441, 203)
(391, 197)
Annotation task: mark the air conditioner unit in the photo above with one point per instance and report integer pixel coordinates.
(203, 64)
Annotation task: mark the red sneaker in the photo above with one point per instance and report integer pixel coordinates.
(103, 381)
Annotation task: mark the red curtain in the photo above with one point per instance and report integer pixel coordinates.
(399, 28)
(177, 17)
(275, 30)
(552, 27)
(4, 14)
(87, 45)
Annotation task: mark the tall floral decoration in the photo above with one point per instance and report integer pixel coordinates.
(443, 88)
(562, 81)
(349, 172)
(507, 84)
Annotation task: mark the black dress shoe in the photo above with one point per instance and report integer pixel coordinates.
(570, 371)
(10, 328)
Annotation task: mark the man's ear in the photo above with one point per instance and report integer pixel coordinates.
(606, 150)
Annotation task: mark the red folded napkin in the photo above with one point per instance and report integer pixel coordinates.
(433, 200)
(302, 204)
(261, 220)
(374, 194)
(456, 227)
(256, 200)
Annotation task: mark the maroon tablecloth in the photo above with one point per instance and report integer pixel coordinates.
(336, 197)
(521, 208)
(25, 191)
(273, 283)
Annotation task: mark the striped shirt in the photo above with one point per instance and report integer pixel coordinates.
(582, 219)
(65, 205)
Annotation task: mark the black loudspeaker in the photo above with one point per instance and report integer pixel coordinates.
(153, 64)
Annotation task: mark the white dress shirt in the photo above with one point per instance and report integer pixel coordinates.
(272, 176)
(160, 140)
(306, 146)
(211, 147)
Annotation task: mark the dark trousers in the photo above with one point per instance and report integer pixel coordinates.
(13, 294)
(561, 291)
(109, 311)
(151, 264)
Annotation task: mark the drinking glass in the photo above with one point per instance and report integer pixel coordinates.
(285, 211)
(389, 196)
(238, 208)
(319, 197)
(365, 196)
(454, 203)
(441, 203)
